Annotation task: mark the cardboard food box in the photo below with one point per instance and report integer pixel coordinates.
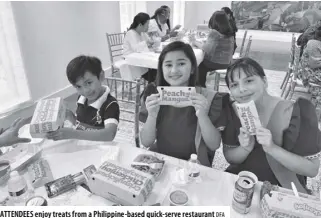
(285, 205)
(120, 184)
(48, 116)
(249, 117)
(176, 96)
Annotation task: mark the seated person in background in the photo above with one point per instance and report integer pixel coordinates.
(136, 40)
(172, 130)
(310, 68)
(219, 46)
(158, 28)
(168, 10)
(97, 113)
(286, 148)
(10, 136)
(231, 18)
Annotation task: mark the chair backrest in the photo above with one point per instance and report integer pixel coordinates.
(248, 48)
(296, 61)
(115, 45)
(127, 94)
(243, 42)
(292, 49)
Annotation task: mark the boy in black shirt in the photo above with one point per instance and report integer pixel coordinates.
(97, 111)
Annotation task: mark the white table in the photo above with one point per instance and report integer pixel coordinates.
(71, 156)
(150, 59)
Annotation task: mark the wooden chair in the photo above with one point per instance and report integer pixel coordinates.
(290, 65)
(295, 84)
(115, 45)
(129, 103)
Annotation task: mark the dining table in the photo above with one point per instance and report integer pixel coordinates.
(65, 157)
(150, 59)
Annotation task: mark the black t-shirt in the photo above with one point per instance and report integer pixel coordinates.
(299, 138)
(96, 115)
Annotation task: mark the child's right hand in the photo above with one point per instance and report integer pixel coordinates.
(152, 104)
(70, 115)
(246, 140)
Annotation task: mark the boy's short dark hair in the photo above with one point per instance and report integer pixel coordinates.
(78, 66)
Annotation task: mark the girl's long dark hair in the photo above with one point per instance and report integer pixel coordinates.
(219, 21)
(159, 11)
(140, 18)
(188, 51)
(228, 11)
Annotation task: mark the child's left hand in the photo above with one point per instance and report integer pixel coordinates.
(61, 134)
(264, 137)
(200, 104)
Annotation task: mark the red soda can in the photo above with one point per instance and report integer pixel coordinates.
(243, 192)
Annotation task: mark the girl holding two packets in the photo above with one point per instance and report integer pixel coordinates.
(181, 131)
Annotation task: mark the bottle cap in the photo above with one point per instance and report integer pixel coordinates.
(193, 156)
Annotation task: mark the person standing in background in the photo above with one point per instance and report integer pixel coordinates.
(231, 18)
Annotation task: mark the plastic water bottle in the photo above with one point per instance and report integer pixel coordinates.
(193, 169)
(18, 189)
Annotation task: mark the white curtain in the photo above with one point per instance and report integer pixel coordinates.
(13, 82)
(179, 13)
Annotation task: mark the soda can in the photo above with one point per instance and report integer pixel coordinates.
(243, 192)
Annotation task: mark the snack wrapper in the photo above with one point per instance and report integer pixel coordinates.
(120, 184)
(249, 117)
(40, 173)
(286, 205)
(176, 96)
(48, 116)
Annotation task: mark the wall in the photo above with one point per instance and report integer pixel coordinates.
(198, 11)
(52, 33)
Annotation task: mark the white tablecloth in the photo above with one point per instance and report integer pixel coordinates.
(150, 59)
(71, 156)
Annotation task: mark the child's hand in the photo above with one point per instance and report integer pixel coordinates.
(177, 27)
(264, 137)
(246, 140)
(11, 135)
(70, 116)
(200, 104)
(152, 104)
(61, 134)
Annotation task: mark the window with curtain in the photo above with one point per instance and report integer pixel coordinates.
(14, 91)
(128, 10)
(179, 13)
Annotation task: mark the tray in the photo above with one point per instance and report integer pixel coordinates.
(22, 155)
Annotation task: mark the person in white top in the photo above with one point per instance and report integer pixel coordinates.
(158, 27)
(168, 11)
(136, 40)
